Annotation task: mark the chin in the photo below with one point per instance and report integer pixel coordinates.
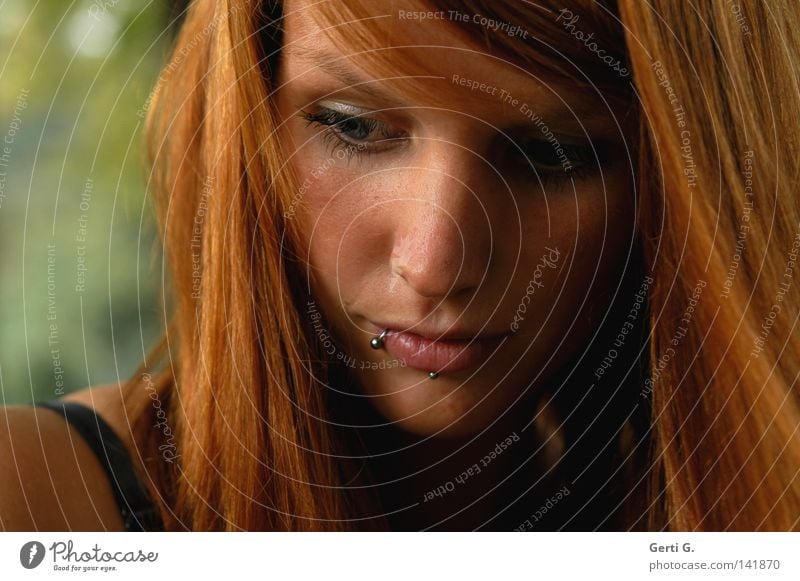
(441, 424)
(445, 407)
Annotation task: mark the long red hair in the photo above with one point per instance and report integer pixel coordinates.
(255, 449)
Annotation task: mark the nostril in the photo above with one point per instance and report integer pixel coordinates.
(438, 251)
(435, 273)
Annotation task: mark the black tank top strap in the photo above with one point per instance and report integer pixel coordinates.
(138, 511)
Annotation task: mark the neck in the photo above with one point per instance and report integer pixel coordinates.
(452, 484)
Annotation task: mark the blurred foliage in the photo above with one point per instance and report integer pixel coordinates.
(74, 78)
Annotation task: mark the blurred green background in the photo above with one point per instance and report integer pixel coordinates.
(80, 269)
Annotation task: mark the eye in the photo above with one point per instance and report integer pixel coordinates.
(552, 156)
(355, 133)
(556, 161)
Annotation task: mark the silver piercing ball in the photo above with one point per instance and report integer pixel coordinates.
(433, 374)
(377, 342)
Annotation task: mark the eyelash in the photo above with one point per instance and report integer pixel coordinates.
(335, 122)
(582, 162)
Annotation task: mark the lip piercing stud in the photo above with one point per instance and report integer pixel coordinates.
(377, 342)
(433, 374)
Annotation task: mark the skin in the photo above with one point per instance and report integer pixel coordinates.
(443, 224)
(444, 227)
(55, 482)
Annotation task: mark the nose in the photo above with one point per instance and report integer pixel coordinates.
(442, 243)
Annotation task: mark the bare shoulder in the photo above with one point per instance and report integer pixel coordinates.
(51, 478)
(107, 400)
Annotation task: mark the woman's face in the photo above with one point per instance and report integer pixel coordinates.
(483, 217)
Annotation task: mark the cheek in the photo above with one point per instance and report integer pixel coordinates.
(339, 223)
(605, 225)
(595, 221)
(592, 231)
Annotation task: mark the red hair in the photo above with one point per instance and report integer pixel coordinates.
(720, 449)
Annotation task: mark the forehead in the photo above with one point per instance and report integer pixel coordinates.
(419, 55)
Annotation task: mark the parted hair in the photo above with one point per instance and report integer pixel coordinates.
(716, 94)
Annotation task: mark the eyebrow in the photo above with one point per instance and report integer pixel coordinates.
(583, 111)
(338, 68)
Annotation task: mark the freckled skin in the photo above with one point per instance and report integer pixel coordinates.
(447, 226)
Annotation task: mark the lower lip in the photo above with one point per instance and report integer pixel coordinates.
(442, 355)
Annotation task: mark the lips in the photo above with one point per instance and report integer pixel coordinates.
(440, 355)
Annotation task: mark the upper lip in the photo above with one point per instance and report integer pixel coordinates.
(450, 333)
